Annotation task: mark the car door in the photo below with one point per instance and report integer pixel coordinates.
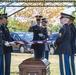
(16, 38)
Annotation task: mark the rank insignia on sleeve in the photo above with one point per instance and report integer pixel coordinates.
(60, 34)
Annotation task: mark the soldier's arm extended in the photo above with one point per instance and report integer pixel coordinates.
(61, 36)
(30, 29)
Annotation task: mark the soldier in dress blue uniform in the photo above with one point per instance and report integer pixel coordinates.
(63, 45)
(7, 49)
(73, 36)
(38, 48)
(1, 48)
(45, 32)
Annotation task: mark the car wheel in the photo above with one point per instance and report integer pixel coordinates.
(32, 51)
(21, 49)
(52, 50)
(29, 50)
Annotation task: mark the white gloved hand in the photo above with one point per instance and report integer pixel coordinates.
(51, 51)
(40, 35)
(7, 43)
(53, 42)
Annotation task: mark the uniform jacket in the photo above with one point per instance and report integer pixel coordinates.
(36, 30)
(46, 37)
(63, 45)
(7, 37)
(1, 42)
(73, 36)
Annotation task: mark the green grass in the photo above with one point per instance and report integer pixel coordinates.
(17, 58)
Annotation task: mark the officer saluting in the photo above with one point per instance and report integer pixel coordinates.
(1, 48)
(38, 48)
(63, 44)
(7, 49)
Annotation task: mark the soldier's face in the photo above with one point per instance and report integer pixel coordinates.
(38, 22)
(71, 21)
(0, 21)
(5, 21)
(44, 24)
(62, 21)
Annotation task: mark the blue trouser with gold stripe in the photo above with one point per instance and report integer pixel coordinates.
(1, 65)
(61, 65)
(65, 66)
(73, 64)
(7, 63)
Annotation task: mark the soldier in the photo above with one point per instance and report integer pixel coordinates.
(7, 49)
(38, 48)
(73, 36)
(1, 48)
(38, 20)
(45, 32)
(63, 44)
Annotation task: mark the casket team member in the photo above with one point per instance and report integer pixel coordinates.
(63, 46)
(7, 49)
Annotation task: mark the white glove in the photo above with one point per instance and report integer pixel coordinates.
(7, 43)
(53, 42)
(40, 35)
(52, 51)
